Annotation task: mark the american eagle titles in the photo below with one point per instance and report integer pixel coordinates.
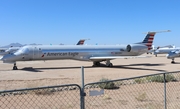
(63, 54)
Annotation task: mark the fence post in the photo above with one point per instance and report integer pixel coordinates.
(165, 105)
(82, 89)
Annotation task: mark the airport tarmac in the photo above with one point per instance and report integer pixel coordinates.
(56, 72)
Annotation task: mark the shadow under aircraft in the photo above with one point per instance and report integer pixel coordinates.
(129, 66)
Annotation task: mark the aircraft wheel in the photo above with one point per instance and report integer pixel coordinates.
(15, 68)
(110, 65)
(96, 64)
(172, 62)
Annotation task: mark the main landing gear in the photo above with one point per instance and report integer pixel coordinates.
(98, 64)
(15, 67)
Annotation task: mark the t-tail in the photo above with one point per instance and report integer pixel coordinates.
(148, 40)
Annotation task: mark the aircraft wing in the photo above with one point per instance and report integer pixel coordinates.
(116, 57)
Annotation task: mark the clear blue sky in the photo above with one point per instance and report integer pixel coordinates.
(103, 21)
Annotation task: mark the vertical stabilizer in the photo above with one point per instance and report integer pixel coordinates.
(81, 42)
(148, 40)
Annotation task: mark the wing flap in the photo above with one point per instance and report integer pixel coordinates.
(116, 57)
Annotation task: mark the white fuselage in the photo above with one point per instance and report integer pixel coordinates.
(83, 53)
(165, 50)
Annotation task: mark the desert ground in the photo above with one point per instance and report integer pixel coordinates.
(57, 72)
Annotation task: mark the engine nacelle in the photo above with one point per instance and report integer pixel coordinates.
(136, 48)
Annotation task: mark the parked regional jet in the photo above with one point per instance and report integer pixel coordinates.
(94, 53)
(81, 41)
(165, 50)
(174, 54)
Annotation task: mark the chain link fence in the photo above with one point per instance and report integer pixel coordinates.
(173, 91)
(158, 91)
(54, 97)
(145, 92)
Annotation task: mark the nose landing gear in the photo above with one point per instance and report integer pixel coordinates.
(172, 62)
(15, 67)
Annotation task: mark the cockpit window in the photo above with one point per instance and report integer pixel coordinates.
(23, 50)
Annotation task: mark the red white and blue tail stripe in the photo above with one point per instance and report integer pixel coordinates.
(81, 42)
(148, 40)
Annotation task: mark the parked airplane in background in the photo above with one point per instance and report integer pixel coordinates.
(157, 50)
(164, 50)
(94, 53)
(81, 41)
(4, 51)
(8, 50)
(174, 54)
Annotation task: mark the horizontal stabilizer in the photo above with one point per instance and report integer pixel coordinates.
(157, 31)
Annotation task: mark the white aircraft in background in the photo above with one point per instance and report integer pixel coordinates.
(94, 53)
(174, 53)
(164, 50)
(160, 50)
(9, 50)
(4, 51)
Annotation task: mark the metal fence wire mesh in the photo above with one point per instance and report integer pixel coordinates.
(173, 90)
(146, 92)
(55, 97)
(158, 91)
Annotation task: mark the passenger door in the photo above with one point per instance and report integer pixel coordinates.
(35, 53)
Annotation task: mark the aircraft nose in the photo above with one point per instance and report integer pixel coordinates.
(168, 56)
(1, 57)
(172, 55)
(8, 58)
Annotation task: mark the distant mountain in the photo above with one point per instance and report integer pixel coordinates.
(17, 45)
(33, 44)
(12, 45)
